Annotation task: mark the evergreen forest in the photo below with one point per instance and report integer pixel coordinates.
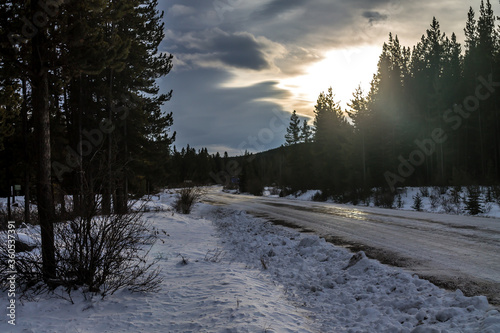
(430, 118)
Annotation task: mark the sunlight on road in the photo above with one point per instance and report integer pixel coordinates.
(347, 213)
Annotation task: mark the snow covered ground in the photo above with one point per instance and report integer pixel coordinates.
(432, 200)
(245, 274)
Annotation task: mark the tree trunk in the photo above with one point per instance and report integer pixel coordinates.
(108, 178)
(26, 154)
(41, 114)
(125, 173)
(74, 137)
(120, 205)
(81, 175)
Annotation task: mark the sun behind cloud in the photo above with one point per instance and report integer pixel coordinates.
(341, 69)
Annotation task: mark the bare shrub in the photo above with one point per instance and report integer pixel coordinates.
(452, 204)
(263, 262)
(440, 190)
(184, 261)
(106, 253)
(489, 195)
(437, 193)
(186, 198)
(100, 254)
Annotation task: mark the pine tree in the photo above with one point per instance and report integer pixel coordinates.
(473, 203)
(470, 32)
(358, 109)
(305, 132)
(39, 78)
(329, 119)
(331, 139)
(293, 131)
(417, 202)
(480, 131)
(486, 33)
(144, 134)
(359, 114)
(387, 110)
(487, 114)
(452, 92)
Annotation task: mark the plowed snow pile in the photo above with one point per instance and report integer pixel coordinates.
(346, 293)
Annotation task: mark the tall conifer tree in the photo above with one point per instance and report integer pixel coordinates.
(293, 130)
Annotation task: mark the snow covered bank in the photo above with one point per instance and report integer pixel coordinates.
(348, 296)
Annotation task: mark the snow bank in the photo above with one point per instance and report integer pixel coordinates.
(346, 294)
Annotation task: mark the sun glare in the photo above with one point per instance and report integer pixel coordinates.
(343, 70)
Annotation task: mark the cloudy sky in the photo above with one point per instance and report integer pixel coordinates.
(241, 67)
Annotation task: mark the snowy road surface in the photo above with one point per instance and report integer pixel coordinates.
(449, 250)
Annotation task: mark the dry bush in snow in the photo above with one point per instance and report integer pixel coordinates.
(186, 198)
(100, 254)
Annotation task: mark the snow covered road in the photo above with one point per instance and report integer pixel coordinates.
(449, 250)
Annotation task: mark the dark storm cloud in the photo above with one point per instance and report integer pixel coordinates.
(239, 50)
(215, 47)
(373, 16)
